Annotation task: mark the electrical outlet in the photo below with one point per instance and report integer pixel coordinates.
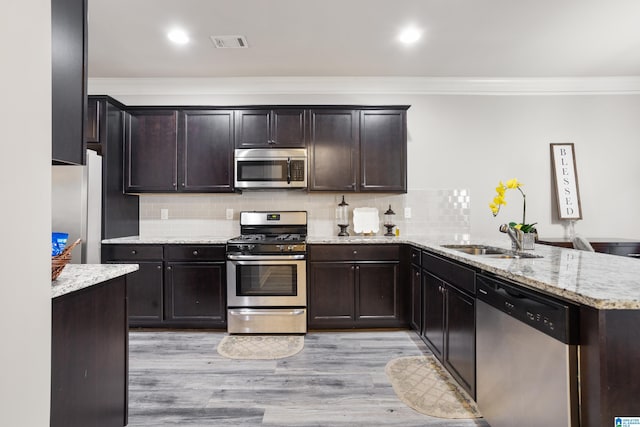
(229, 213)
(164, 213)
(407, 213)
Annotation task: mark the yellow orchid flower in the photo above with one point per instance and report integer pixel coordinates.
(513, 183)
(499, 200)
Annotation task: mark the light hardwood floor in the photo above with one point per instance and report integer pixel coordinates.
(338, 379)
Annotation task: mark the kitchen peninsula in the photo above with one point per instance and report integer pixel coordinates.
(89, 345)
(603, 288)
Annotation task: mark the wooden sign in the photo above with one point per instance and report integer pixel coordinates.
(563, 162)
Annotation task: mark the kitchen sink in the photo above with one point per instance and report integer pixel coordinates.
(490, 251)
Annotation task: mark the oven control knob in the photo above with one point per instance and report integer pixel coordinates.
(280, 248)
(290, 248)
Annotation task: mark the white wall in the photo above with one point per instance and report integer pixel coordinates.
(25, 264)
(459, 141)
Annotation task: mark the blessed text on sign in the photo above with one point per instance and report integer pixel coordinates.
(564, 167)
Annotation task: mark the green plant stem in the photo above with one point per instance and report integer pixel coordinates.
(524, 205)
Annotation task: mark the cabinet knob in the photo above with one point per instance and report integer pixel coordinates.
(355, 252)
(183, 184)
(195, 252)
(169, 268)
(417, 274)
(159, 267)
(133, 252)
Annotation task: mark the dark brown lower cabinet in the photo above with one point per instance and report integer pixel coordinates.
(180, 285)
(146, 294)
(89, 356)
(331, 299)
(449, 318)
(415, 279)
(356, 286)
(195, 293)
(355, 295)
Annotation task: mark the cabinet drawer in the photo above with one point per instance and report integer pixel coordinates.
(195, 252)
(452, 273)
(133, 252)
(354, 252)
(414, 255)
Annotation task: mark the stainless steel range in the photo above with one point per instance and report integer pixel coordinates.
(267, 274)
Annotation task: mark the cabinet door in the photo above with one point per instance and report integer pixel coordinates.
(120, 211)
(383, 150)
(460, 338)
(377, 302)
(252, 129)
(89, 354)
(333, 150)
(151, 151)
(68, 80)
(433, 316)
(206, 151)
(195, 293)
(331, 295)
(92, 123)
(416, 298)
(287, 128)
(144, 293)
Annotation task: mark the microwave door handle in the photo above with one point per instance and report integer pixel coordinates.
(288, 170)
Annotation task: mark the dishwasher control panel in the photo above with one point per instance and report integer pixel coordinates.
(553, 317)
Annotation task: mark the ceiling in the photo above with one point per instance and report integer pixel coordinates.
(461, 38)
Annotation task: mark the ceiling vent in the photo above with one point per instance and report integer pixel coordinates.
(230, 42)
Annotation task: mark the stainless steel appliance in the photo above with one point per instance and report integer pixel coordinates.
(266, 168)
(76, 206)
(526, 357)
(266, 274)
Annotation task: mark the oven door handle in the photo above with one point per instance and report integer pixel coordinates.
(265, 257)
(288, 170)
(266, 312)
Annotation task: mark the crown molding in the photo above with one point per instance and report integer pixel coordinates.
(365, 86)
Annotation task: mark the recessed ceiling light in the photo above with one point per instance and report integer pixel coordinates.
(410, 35)
(178, 36)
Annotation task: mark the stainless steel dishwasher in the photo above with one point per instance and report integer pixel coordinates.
(526, 357)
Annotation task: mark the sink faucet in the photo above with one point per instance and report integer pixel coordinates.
(514, 234)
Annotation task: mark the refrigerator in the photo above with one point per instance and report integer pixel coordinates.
(76, 206)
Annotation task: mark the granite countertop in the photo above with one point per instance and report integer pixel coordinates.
(594, 279)
(79, 276)
(176, 240)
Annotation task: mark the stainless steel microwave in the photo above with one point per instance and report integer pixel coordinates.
(265, 168)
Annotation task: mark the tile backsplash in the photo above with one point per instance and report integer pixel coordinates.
(434, 213)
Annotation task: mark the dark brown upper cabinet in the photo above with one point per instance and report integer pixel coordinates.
(68, 80)
(358, 150)
(151, 151)
(264, 128)
(205, 151)
(333, 150)
(179, 151)
(383, 150)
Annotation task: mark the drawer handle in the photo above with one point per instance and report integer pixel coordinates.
(195, 252)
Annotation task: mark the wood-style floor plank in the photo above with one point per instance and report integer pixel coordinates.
(176, 378)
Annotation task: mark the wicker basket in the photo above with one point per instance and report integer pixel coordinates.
(58, 262)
